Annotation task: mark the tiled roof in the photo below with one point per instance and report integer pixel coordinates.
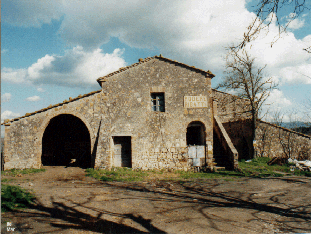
(8, 121)
(141, 61)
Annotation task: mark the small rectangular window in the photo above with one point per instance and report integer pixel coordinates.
(158, 102)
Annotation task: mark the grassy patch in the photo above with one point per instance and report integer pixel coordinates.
(14, 197)
(6, 180)
(256, 168)
(302, 173)
(128, 174)
(206, 175)
(117, 174)
(14, 172)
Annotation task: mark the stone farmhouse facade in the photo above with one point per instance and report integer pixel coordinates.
(154, 114)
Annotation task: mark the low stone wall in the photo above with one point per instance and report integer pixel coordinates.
(274, 141)
(271, 140)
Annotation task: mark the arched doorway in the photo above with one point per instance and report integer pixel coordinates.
(196, 143)
(196, 133)
(66, 142)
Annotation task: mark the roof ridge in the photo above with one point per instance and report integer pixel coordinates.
(7, 121)
(140, 61)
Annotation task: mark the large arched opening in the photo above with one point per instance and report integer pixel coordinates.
(66, 142)
(196, 133)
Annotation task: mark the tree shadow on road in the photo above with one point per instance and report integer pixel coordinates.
(64, 217)
(293, 217)
(167, 197)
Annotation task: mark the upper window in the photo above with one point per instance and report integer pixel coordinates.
(158, 102)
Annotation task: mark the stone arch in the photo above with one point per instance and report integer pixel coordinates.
(196, 133)
(39, 136)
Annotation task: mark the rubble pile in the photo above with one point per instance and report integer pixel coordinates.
(301, 165)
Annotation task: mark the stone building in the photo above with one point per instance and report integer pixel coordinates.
(154, 114)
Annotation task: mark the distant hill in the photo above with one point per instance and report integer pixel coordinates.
(301, 127)
(304, 130)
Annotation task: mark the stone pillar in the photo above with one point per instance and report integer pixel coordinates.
(214, 108)
(6, 146)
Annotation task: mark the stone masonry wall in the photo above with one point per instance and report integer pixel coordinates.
(23, 138)
(275, 141)
(271, 140)
(158, 138)
(233, 112)
(230, 108)
(123, 108)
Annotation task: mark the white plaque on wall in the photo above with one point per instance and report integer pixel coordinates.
(195, 101)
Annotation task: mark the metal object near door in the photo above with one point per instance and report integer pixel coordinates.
(200, 151)
(117, 155)
(196, 152)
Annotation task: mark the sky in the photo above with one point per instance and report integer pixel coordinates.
(53, 50)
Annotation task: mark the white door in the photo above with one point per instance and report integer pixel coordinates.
(117, 155)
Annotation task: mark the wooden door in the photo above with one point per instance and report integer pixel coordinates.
(122, 151)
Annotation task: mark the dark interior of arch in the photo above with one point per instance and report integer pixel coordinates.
(195, 133)
(66, 142)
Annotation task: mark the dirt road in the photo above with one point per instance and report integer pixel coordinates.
(70, 202)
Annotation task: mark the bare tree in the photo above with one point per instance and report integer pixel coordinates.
(248, 81)
(264, 142)
(269, 10)
(307, 114)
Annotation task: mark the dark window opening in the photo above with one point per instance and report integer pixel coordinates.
(195, 134)
(122, 151)
(158, 102)
(66, 142)
(243, 149)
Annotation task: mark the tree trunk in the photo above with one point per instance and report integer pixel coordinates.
(253, 134)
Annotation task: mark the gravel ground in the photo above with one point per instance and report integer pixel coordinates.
(70, 202)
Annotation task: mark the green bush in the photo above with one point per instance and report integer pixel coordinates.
(14, 197)
(258, 167)
(302, 173)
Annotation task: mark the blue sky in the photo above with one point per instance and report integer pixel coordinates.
(53, 50)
